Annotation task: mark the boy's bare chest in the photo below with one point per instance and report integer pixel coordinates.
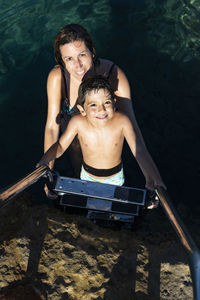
(104, 139)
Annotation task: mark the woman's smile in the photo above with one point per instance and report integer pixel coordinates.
(77, 58)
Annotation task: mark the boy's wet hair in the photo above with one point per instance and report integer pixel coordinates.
(94, 83)
(71, 33)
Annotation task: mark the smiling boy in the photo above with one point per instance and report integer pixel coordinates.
(101, 132)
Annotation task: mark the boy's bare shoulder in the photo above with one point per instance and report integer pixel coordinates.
(78, 120)
(121, 117)
(122, 121)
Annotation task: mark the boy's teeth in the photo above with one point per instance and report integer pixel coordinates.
(101, 117)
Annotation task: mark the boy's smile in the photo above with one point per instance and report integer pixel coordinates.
(98, 107)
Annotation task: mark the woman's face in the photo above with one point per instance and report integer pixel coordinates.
(77, 59)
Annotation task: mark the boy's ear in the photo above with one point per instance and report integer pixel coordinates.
(81, 109)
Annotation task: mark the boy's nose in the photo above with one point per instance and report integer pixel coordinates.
(101, 107)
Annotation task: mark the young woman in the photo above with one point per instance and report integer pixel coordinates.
(76, 57)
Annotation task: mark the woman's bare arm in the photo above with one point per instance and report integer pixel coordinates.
(147, 165)
(54, 93)
(124, 102)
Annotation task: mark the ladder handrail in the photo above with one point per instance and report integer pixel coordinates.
(24, 183)
(185, 238)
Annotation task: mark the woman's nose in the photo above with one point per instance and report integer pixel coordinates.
(78, 62)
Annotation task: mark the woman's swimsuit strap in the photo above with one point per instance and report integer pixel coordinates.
(65, 107)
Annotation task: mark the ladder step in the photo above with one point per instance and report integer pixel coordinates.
(120, 194)
(99, 205)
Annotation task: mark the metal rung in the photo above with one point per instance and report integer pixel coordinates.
(99, 205)
(121, 194)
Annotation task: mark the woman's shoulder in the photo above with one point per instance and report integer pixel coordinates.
(105, 62)
(110, 69)
(105, 65)
(55, 73)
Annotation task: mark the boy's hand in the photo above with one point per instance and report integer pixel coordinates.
(48, 193)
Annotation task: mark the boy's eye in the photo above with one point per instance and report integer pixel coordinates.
(82, 54)
(92, 104)
(108, 102)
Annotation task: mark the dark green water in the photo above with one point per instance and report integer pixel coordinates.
(156, 43)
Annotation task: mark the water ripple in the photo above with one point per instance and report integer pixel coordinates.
(27, 26)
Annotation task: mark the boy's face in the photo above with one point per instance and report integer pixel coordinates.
(98, 107)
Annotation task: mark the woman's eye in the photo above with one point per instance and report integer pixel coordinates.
(92, 104)
(82, 54)
(68, 58)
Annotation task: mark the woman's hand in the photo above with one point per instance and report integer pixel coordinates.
(151, 186)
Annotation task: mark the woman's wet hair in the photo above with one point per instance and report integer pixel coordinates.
(94, 83)
(69, 34)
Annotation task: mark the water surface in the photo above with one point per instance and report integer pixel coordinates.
(156, 43)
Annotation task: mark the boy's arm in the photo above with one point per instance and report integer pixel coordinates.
(139, 150)
(57, 149)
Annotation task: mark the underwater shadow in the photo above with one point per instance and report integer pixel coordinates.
(17, 214)
(128, 276)
(143, 269)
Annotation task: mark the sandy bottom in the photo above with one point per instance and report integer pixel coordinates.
(46, 253)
